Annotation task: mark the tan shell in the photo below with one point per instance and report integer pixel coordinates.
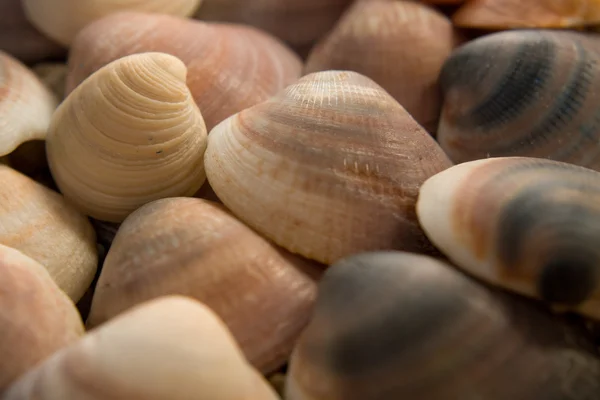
(26, 105)
(396, 325)
(61, 20)
(121, 139)
(230, 67)
(36, 317)
(329, 167)
(42, 225)
(170, 348)
(525, 224)
(54, 75)
(193, 247)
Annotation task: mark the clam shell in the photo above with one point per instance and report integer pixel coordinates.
(396, 325)
(330, 166)
(26, 104)
(230, 67)
(42, 225)
(193, 247)
(525, 224)
(530, 93)
(36, 317)
(170, 348)
(128, 135)
(61, 20)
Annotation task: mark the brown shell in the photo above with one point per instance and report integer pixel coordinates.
(230, 67)
(405, 326)
(193, 247)
(525, 224)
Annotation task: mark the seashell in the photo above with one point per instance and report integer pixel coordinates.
(525, 224)
(30, 159)
(330, 166)
(54, 75)
(378, 38)
(26, 106)
(121, 140)
(169, 348)
(523, 93)
(36, 317)
(193, 247)
(297, 22)
(42, 225)
(62, 20)
(393, 325)
(513, 14)
(230, 67)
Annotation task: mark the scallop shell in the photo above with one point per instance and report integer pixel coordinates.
(193, 247)
(170, 348)
(525, 224)
(530, 93)
(62, 20)
(128, 135)
(396, 325)
(26, 105)
(330, 166)
(42, 225)
(230, 67)
(36, 317)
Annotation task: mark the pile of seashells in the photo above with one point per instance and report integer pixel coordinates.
(299, 199)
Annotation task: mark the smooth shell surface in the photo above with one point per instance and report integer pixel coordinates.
(230, 67)
(26, 105)
(523, 93)
(36, 317)
(330, 166)
(170, 348)
(407, 326)
(62, 20)
(401, 45)
(193, 247)
(525, 224)
(130, 134)
(42, 225)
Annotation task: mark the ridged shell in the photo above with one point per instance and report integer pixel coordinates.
(406, 326)
(529, 225)
(26, 104)
(330, 166)
(230, 67)
(62, 20)
(128, 135)
(42, 225)
(36, 317)
(170, 348)
(193, 247)
(513, 14)
(530, 93)
(378, 39)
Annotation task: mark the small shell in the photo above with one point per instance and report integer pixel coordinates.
(329, 167)
(407, 326)
(26, 105)
(169, 348)
(54, 75)
(36, 317)
(42, 225)
(512, 14)
(230, 67)
(193, 247)
(523, 93)
(61, 20)
(128, 135)
(525, 224)
(378, 39)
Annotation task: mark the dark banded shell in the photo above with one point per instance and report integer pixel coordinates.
(528, 93)
(405, 326)
(524, 224)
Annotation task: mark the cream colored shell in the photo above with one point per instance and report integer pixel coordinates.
(131, 133)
